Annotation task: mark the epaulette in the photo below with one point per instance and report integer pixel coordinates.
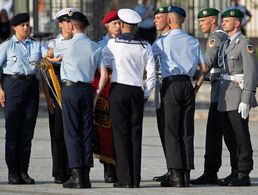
(245, 37)
(32, 39)
(6, 40)
(99, 40)
(221, 35)
(50, 38)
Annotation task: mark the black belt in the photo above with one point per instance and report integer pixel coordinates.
(71, 83)
(21, 77)
(176, 78)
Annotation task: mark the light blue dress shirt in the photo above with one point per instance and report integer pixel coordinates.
(103, 42)
(18, 58)
(179, 52)
(81, 57)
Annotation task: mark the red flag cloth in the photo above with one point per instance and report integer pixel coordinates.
(102, 135)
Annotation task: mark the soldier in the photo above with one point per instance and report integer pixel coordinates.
(60, 170)
(19, 95)
(112, 24)
(77, 72)
(237, 58)
(208, 22)
(180, 56)
(160, 21)
(128, 56)
(247, 14)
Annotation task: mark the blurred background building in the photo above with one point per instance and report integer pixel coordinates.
(43, 11)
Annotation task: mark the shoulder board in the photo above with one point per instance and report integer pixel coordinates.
(221, 32)
(33, 39)
(50, 39)
(99, 39)
(6, 40)
(244, 37)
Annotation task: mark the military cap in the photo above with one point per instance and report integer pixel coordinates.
(177, 10)
(80, 17)
(65, 14)
(232, 13)
(208, 12)
(161, 10)
(19, 18)
(129, 16)
(110, 16)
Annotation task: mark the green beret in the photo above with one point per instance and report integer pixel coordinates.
(232, 13)
(161, 10)
(208, 12)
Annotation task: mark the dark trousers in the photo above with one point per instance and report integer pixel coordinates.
(237, 137)
(126, 110)
(77, 112)
(161, 128)
(21, 109)
(213, 147)
(179, 105)
(58, 149)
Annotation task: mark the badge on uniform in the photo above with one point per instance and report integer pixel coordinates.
(70, 13)
(250, 48)
(14, 58)
(211, 42)
(204, 12)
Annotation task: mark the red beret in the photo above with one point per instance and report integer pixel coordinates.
(110, 16)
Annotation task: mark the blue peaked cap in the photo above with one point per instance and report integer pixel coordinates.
(177, 10)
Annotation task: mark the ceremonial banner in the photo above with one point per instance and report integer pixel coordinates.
(102, 135)
(48, 72)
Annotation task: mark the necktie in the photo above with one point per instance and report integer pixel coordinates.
(226, 44)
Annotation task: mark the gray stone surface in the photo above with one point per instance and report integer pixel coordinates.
(153, 162)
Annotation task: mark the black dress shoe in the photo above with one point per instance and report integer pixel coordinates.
(109, 173)
(119, 185)
(15, 178)
(176, 179)
(228, 179)
(240, 181)
(162, 177)
(76, 180)
(206, 179)
(58, 180)
(26, 178)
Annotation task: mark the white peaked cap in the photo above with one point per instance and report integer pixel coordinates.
(65, 11)
(129, 16)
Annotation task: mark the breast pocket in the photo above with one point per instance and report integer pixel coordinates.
(12, 57)
(235, 63)
(35, 56)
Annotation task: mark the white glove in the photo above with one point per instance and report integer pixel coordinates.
(244, 108)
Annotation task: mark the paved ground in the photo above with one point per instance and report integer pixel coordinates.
(153, 162)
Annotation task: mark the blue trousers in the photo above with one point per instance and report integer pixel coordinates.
(77, 112)
(21, 109)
